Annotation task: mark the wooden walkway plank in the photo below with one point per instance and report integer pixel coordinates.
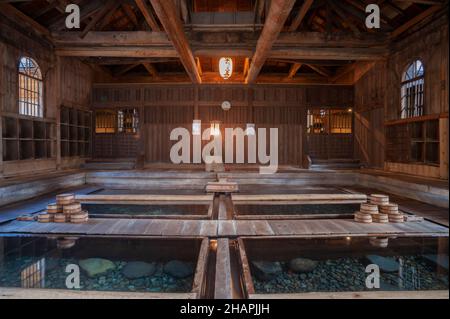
(226, 228)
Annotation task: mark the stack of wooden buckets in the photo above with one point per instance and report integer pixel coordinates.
(379, 210)
(65, 210)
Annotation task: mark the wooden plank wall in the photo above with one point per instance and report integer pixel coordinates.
(166, 107)
(377, 97)
(67, 81)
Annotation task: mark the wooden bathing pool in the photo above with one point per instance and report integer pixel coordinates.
(148, 206)
(337, 267)
(146, 267)
(296, 206)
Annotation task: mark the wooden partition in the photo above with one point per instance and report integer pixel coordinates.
(165, 107)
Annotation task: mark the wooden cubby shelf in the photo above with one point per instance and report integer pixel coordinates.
(27, 138)
(75, 132)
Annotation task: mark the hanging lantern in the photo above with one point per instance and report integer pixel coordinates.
(215, 128)
(225, 67)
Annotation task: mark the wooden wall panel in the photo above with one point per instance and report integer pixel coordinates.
(377, 98)
(67, 81)
(169, 106)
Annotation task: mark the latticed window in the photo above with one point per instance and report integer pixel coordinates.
(30, 88)
(128, 120)
(325, 121)
(412, 90)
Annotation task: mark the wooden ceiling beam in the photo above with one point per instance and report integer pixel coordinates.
(86, 10)
(425, 14)
(110, 6)
(21, 18)
(293, 70)
(150, 69)
(122, 38)
(371, 54)
(319, 69)
(148, 16)
(124, 69)
(166, 12)
(275, 20)
(115, 51)
(131, 15)
(301, 15)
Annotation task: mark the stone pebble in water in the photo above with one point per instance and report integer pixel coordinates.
(138, 269)
(96, 266)
(387, 264)
(302, 265)
(178, 269)
(266, 270)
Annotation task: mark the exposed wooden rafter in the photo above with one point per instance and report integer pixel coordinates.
(294, 69)
(166, 12)
(301, 15)
(148, 16)
(277, 15)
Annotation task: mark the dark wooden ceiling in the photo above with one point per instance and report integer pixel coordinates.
(307, 45)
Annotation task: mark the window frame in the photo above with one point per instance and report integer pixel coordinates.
(40, 91)
(403, 112)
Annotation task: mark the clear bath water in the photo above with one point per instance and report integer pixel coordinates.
(146, 210)
(38, 262)
(295, 209)
(339, 265)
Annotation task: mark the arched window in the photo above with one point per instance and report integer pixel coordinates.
(412, 90)
(30, 88)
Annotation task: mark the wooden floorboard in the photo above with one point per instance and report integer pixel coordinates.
(211, 228)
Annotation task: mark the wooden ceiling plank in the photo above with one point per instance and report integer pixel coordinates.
(275, 20)
(301, 15)
(146, 12)
(166, 12)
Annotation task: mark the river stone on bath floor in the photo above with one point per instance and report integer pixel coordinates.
(266, 270)
(387, 264)
(96, 266)
(138, 269)
(302, 265)
(178, 269)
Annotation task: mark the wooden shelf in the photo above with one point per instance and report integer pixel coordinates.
(27, 138)
(75, 132)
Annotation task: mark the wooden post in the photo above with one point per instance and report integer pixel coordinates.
(58, 90)
(278, 13)
(443, 143)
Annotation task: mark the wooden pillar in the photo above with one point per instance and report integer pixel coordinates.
(142, 134)
(196, 98)
(59, 98)
(443, 143)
